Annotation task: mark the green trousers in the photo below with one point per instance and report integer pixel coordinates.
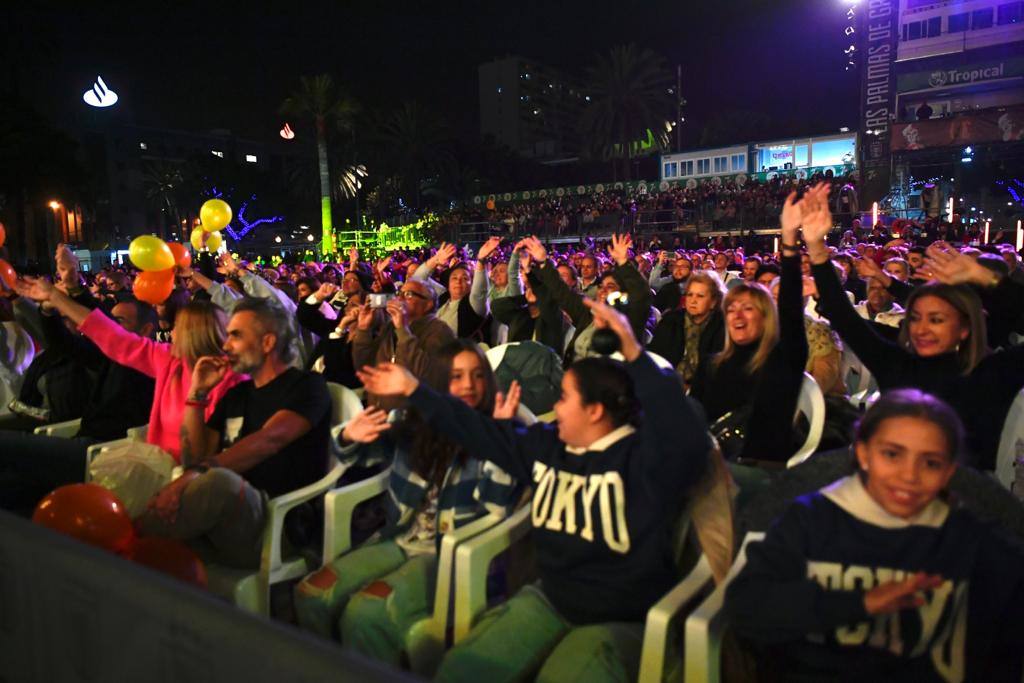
(526, 639)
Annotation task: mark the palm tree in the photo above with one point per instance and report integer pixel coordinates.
(318, 99)
(163, 183)
(632, 103)
(413, 145)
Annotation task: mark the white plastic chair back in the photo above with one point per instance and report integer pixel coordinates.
(526, 415)
(658, 360)
(1011, 442)
(345, 404)
(569, 334)
(497, 353)
(811, 403)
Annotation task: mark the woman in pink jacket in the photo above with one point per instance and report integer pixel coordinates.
(199, 330)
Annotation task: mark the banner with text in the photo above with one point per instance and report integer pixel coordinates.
(880, 31)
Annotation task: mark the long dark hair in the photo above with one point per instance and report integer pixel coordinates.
(432, 453)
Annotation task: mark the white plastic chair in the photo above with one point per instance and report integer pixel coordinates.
(811, 403)
(251, 590)
(133, 434)
(1011, 442)
(474, 556)
(427, 638)
(658, 360)
(63, 430)
(706, 624)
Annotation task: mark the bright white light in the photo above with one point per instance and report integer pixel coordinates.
(277, 239)
(844, 129)
(251, 158)
(142, 145)
(309, 238)
(968, 150)
(217, 153)
(99, 95)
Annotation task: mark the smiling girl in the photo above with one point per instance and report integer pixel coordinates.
(877, 576)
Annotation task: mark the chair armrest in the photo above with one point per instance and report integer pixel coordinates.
(338, 507)
(472, 559)
(277, 509)
(138, 433)
(706, 624)
(63, 430)
(446, 566)
(659, 618)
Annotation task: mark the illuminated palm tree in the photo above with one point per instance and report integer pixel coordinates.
(318, 99)
(632, 105)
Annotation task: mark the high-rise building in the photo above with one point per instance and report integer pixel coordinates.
(531, 108)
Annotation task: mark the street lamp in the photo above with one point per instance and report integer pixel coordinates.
(54, 204)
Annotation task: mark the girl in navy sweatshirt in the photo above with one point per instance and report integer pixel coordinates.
(877, 577)
(608, 489)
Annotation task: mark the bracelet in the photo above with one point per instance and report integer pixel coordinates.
(790, 247)
(196, 403)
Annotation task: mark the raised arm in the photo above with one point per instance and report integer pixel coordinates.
(877, 353)
(792, 336)
(566, 299)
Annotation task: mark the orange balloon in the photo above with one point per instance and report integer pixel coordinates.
(182, 256)
(7, 273)
(163, 275)
(153, 288)
(170, 557)
(3, 235)
(89, 513)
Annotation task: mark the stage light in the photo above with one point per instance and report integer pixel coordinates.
(99, 95)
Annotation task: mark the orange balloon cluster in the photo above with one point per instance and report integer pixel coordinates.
(89, 513)
(7, 273)
(94, 515)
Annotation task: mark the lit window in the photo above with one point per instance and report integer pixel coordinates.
(142, 145)
(251, 158)
(217, 153)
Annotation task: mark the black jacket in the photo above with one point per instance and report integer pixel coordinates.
(669, 340)
(514, 311)
(337, 353)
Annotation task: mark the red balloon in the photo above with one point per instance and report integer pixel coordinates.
(7, 273)
(3, 235)
(89, 513)
(170, 557)
(153, 288)
(182, 256)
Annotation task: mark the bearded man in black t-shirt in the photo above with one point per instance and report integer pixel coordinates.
(267, 436)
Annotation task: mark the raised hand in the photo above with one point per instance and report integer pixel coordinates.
(366, 426)
(364, 317)
(894, 596)
(619, 248)
(445, 253)
(506, 406)
(382, 264)
(607, 317)
(789, 220)
(399, 314)
(208, 372)
(488, 248)
(661, 257)
(947, 265)
(353, 257)
(35, 288)
(815, 214)
(534, 248)
(388, 379)
(326, 291)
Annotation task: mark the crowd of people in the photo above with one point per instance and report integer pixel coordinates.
(725, 205)
(636, 376)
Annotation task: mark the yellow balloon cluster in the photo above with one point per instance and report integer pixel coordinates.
(205, 240)
(150, 253)
(215, 215)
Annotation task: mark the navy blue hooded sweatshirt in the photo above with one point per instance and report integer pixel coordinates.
(803, 588)
(603, 517)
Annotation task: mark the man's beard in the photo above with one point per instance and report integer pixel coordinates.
(246, 363)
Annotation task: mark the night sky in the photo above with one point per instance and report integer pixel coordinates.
(192, 66)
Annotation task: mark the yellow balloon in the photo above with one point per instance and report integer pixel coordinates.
(150, 253)
(206, 240)
(215, 215)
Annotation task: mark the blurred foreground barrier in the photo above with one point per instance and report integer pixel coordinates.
(70, 612)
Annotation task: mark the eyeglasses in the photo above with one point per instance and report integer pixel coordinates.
(409, 294)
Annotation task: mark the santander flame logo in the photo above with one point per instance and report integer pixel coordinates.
(99, 95)
(287, 133)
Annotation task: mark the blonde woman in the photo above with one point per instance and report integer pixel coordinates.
(199, 330)
(757, 375)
